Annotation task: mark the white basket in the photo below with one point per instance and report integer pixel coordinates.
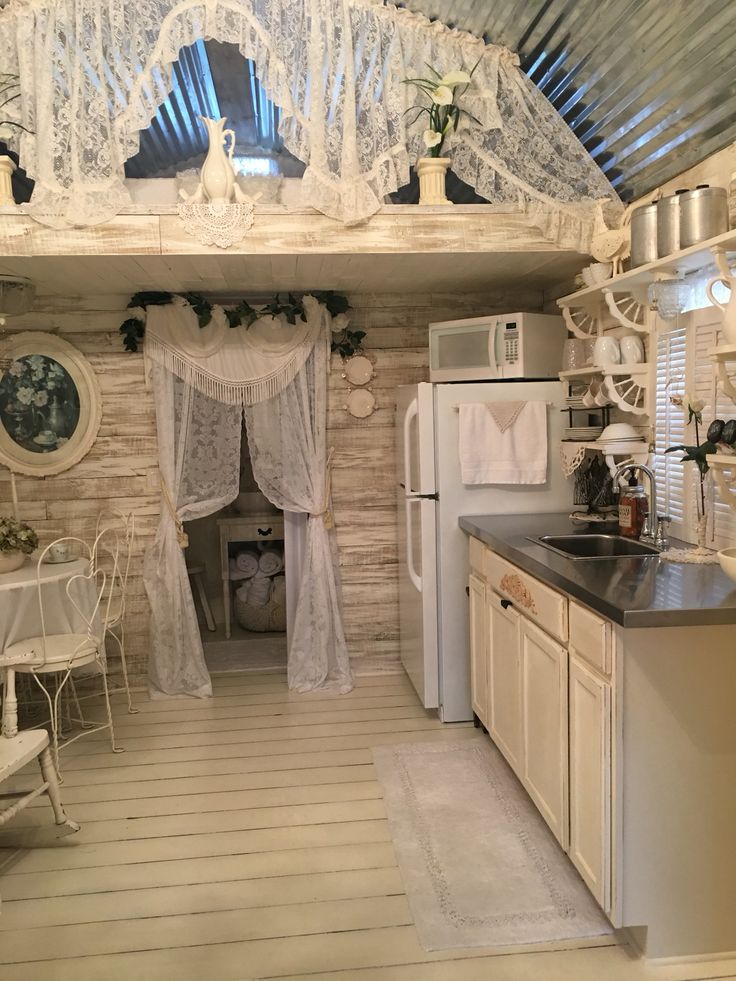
(262, 619)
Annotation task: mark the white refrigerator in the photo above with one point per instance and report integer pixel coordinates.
(433, 550)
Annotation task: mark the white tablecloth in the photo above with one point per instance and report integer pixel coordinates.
(19, 608)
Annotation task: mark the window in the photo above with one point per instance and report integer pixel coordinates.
(682, 360)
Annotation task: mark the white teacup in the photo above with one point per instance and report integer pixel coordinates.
(606, 351)
(59, 552)
(632, 349)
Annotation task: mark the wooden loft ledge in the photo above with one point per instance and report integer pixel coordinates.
(401, 247)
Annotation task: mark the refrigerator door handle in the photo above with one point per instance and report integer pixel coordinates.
(415, 580)
(411, 413)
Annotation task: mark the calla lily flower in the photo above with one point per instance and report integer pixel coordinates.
(442, 96)
(431, 138)
(451, 79)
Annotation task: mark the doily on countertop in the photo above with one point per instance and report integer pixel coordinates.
(693, 556)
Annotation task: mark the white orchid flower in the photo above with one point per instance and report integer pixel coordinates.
(431, 138)
(442, 96)
(451, 79)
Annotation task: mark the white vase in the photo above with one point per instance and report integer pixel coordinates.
(10, 561)
(218, 175)
(7, 169)
(431, 172)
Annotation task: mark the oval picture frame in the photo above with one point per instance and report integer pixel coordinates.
(50, 405)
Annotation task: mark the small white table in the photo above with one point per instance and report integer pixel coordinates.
(246, 528)
(19, 610)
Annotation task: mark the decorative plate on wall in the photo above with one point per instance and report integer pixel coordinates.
(361, 403)
(50, 405)
(358, 370)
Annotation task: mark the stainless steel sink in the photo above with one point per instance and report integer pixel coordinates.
(595, 546)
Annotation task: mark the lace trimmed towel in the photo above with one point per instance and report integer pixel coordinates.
(503, 443)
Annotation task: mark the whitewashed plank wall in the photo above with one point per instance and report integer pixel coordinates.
(120, 469)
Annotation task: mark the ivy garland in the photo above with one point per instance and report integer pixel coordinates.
(346, 343)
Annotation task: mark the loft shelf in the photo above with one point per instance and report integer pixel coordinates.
(698, 257)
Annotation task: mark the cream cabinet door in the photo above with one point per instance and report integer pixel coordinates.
(590, 779)
(504, 678)
(478, 648)
(544, 714)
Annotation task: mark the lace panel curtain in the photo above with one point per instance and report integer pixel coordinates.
(288, 449)
(94, 73)
(199, 460)
(199, 463)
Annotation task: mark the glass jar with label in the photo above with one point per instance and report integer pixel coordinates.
(633, 508)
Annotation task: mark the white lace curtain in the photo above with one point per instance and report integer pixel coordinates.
(93, 74)
(202, 380)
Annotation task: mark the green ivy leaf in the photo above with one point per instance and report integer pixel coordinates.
(150, 298)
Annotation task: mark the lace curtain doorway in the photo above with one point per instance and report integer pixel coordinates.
(202, 380)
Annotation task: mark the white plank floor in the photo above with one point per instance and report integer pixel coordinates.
(245, 838)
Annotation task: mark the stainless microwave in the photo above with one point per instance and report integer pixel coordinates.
(512, 345)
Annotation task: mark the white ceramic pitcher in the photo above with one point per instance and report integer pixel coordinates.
(728, 327)
(217, 175)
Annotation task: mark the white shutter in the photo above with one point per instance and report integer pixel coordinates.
(682, 354)
(670, 428)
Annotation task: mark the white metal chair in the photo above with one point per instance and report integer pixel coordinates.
(19, 748)
(59, 654)
(115, 535)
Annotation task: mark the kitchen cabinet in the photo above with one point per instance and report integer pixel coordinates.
(541, 673)
(651, 732)
(479, 648)
(504, 679)
(590, 778)
(544, 721)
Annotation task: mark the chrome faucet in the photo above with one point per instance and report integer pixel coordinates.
(651, 523)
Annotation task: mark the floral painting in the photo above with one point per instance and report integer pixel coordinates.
(39, 403)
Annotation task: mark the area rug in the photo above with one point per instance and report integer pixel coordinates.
(480, 866)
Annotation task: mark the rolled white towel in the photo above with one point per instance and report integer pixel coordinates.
(278, 594)
(259, 590)
(270, 562)
(243, 592)
(247, 562)
(236, 575)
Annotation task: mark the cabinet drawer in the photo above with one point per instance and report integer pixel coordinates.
(477, 552)
(531, 597)
(590, 635)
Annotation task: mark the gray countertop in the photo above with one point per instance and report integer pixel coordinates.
(635, 592)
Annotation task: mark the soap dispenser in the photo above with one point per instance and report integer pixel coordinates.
(633, 508)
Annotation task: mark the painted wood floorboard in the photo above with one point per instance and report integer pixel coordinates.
(244, 838)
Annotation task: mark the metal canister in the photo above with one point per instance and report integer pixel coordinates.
(703, 214)
(668, 223)
(644, 234)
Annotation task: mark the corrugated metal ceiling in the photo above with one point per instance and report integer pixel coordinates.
(646, 85)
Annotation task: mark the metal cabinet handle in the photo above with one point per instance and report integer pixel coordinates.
(265, 532)
(506, 604)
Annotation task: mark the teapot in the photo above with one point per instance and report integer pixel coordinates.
(728, 309)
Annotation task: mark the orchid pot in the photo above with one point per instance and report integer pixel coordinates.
(432, 172)
(7, 169)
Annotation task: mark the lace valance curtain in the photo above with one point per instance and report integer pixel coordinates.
(93, 74)
(202, 380)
